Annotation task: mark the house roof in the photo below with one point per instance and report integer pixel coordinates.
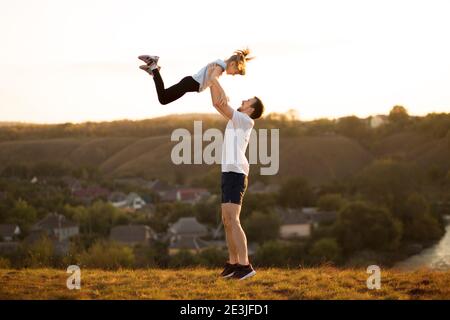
(92, 191)
(54, 221)
(323, 216)
(7, 230)
(305, 215)
(158, 186)
(170, 195)
(131, 233)
(188, 225)
(117, 196)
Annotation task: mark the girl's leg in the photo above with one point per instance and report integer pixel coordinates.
(165, 96)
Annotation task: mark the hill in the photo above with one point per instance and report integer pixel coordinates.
(200, 283)
(318, 158)
(142, 148)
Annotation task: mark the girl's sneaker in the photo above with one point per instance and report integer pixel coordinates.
(147, 68)
(149, 59)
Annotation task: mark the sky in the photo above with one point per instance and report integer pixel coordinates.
(76, 61)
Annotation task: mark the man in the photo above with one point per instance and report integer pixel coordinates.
(235, 169)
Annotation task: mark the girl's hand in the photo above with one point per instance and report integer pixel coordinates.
(214, 71)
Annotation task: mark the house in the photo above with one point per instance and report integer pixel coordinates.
(294, 223)
(132, 201)
(260, 188)
(158, 186)
(57, 228)
(301, 222)
(378, 120)
(88, 194)
(132, 234)
(9, 232)
(185, 195)
(116, 196)
(71, 183)
(186, 234)
(321, 217)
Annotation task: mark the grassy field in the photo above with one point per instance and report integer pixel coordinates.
(199, 283)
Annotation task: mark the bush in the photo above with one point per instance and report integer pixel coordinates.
(107, 255)
(326, 249)
(183, 258)
(41, 254)
(281, 254)
(4, 263)
(213, 257)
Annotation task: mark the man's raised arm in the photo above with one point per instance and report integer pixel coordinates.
(218, 97)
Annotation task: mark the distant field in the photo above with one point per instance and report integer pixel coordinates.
(199, 283)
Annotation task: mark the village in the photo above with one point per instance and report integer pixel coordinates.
(187, 233)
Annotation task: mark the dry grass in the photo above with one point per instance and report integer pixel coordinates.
(199, 283)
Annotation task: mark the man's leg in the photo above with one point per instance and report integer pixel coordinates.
(232, 251)
(231, 213)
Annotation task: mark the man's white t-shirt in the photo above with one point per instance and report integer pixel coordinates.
(237, 136)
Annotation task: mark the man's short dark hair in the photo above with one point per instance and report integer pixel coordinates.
(259, 109)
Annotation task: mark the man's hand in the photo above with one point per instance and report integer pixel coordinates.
(218, 96)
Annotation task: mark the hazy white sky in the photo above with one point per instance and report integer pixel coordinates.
(73, 61)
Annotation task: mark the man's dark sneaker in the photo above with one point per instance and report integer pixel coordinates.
(243, 272)
(228, 271)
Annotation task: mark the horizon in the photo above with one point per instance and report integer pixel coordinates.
(323, 59)
(204, 114)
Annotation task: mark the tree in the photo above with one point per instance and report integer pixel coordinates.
(361, 225)
(261, 227)
(23, 215)
(331, 202)
(419, 224)
(353, 127)
(398, 116)
(296, 193)
(387, 182)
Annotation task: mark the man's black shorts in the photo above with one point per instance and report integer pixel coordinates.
(234, 186)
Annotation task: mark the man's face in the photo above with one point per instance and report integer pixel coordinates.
(246, 106)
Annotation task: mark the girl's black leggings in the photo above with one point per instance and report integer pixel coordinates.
(165, 96)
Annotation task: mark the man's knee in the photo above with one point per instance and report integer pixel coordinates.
(230, 220)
